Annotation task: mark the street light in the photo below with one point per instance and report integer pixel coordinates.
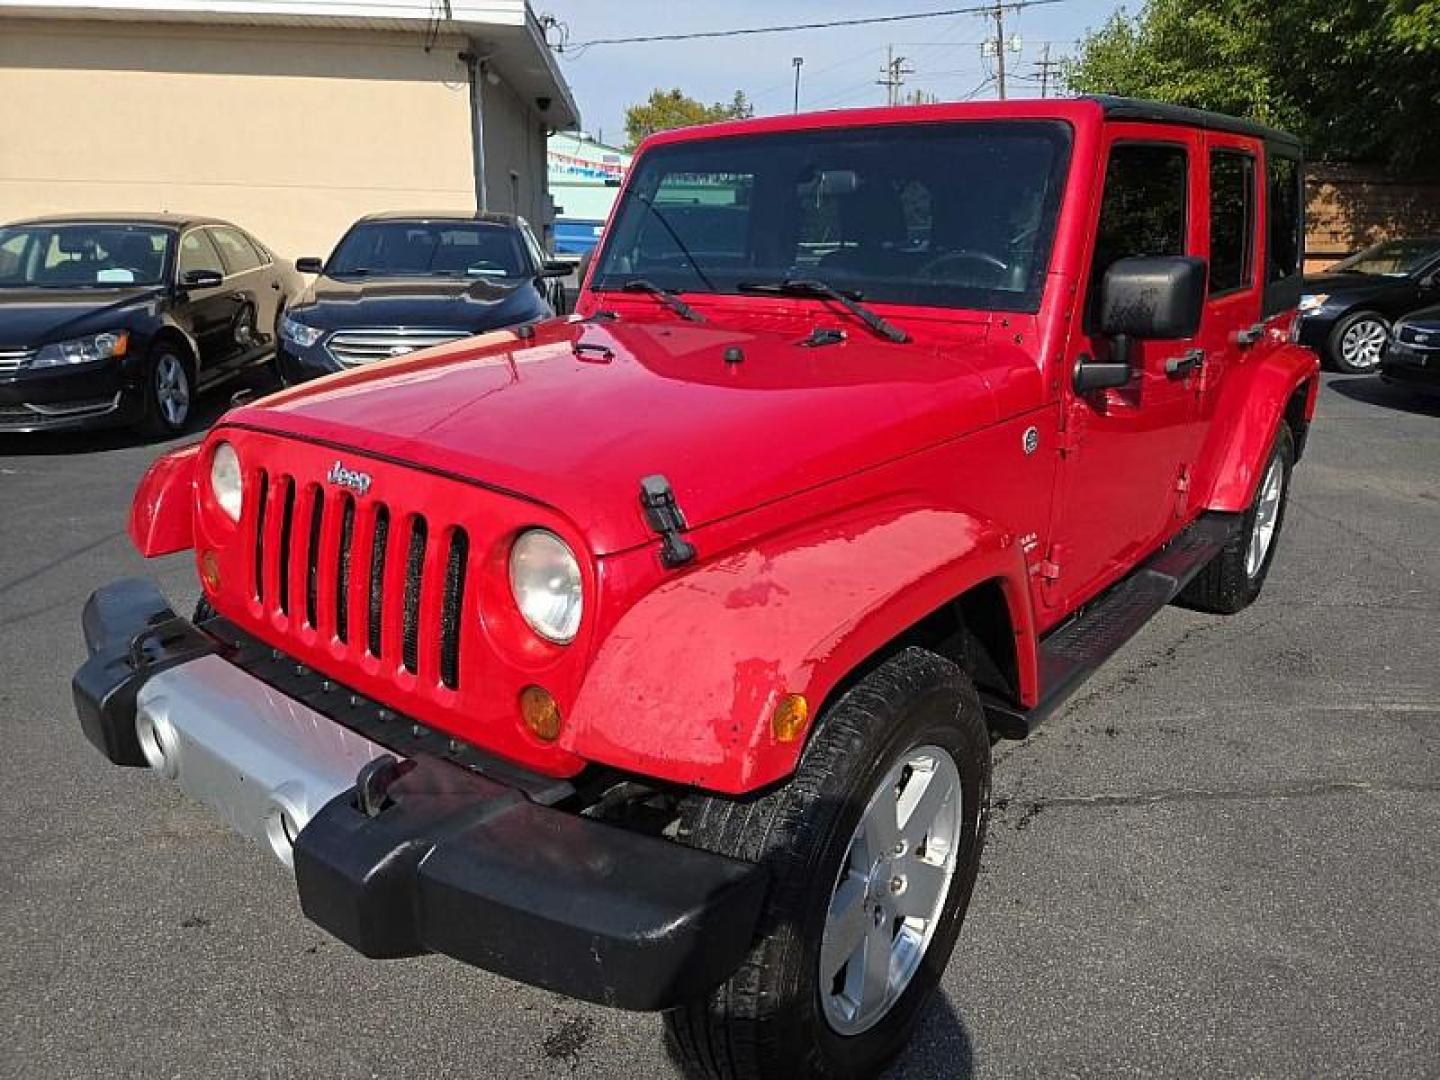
(799, 62)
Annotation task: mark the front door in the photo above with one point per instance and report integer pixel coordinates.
(209, 313)
(1128, 451)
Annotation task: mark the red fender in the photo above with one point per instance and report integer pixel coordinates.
(161, 521)
(684, 685)
(1254, 400)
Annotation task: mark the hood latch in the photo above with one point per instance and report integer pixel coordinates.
(666, 518)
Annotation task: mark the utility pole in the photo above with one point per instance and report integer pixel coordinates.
(998, 45)
(799, 62)
(1000, 48)
(893, 75)
(1045, 66)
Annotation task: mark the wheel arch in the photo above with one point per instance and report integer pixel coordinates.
(172, 334)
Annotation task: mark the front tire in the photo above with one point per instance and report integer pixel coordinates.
(1234, 578)
(1357, 343)
(873, 849)
(169, 393)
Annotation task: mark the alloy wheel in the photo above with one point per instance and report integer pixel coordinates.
(1267, 516)
(1363, 344)
(172, 389)
(890, 893)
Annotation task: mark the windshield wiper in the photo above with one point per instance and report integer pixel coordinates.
(630, 192)
(665, 296)
(815, 287)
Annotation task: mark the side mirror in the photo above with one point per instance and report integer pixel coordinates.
(202, 279)
(309, 265)
(555, 268)
(1143, 298)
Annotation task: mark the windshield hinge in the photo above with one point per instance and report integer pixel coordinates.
(666, 518)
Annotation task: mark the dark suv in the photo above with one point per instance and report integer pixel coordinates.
(400, 282)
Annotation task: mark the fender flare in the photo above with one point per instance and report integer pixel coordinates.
(161, 512)
(685, 685)
(1256, 398)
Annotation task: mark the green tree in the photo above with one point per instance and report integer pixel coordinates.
(1359, 80)
(666, 109)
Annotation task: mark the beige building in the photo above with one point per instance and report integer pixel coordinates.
(288, 117)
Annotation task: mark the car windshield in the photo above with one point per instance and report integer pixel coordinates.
(944, 214)
(1393, 258)
(452, 249)
(89, 256)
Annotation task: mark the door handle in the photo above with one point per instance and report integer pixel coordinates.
(275, 285)
(1177, 367)
(1251, 335)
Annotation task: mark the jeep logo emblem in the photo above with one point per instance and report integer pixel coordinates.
(353, 479)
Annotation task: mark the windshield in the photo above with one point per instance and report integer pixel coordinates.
(452, 249)
(90, 256)
(947, 215)
(1393, 258)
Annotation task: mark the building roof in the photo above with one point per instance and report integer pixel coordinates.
(505, 33)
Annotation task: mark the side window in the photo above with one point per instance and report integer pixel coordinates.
(12, 255)
(198, 253)
(235, 251)
(1285, 218)
(1232, 221)
(537, 253)
(1143, 211)
(260, 251)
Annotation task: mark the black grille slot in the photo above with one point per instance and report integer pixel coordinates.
(342, 569)
(312, 556)
(377, 577)
(410, 618)
(287, 518)
(453, 608)
(260, 536)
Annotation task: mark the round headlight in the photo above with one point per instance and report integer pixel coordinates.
(545, 580)
(225, 480)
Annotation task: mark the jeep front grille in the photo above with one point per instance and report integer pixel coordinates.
(384, 581)
(364, 346)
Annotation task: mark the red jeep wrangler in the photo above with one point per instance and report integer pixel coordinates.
(654, 656)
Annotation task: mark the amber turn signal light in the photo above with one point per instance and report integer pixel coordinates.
(540, 713)
(790, 717)
(210, 571)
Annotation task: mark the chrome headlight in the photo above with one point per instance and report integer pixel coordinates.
(1312, 302)
(84, 350)
(226, 482)
(298, 333)
(545, 581)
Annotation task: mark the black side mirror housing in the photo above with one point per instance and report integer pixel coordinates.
(309, 265)
(202, 279)
(1153, 297)
(555, 268)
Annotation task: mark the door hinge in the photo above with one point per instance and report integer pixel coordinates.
(666, 518)
(1049, 569)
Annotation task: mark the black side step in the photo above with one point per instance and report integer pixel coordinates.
(1070, 654)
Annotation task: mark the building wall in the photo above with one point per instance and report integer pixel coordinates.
(515, 156)
(1350, 207)
(290, 132)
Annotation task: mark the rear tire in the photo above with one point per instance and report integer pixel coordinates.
(912, 724)
(1233, 579)
(1357, 343)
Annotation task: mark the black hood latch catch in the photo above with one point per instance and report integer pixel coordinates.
(666, 518)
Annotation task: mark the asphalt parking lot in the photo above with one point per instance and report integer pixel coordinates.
(1219, 860)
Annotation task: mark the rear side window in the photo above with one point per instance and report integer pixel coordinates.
(237, 252)
(1232, 221)
(1144, 207)
(1285, 225)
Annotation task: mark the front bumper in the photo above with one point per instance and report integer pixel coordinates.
(296, 364)
(1412, 368)
(399, 857)
(54, 399)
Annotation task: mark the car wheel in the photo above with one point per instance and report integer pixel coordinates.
(872, 849)
(1358, 342)
(168, 393)
(244, 329)
(1233, 579)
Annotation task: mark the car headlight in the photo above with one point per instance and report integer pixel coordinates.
(299, 333)
(85, 350)
(545, 581)
(1312, 302)
(226, 482)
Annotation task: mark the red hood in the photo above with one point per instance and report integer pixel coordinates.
(579, 429)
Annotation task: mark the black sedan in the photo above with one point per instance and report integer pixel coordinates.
(1413, 357)
(400, 282)
(110, 320)
(1347, 311)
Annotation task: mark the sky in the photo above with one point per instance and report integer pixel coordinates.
(840, 67)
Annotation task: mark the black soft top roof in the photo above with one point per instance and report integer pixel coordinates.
(1156, 112)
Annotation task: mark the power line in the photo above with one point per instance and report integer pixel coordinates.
(789, 27)
(892, 75)
(1044, 67)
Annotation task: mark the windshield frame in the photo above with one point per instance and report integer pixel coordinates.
(516, 238)
(942, 296)
(167, 257)
(1428, 260)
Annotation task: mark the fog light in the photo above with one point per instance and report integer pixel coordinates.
(788, 723)
(210, 571)
(540, 713)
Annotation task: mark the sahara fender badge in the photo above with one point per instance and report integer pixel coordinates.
(353, 479)
(1031, 441)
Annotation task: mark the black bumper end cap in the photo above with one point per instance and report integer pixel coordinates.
(462, 866)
